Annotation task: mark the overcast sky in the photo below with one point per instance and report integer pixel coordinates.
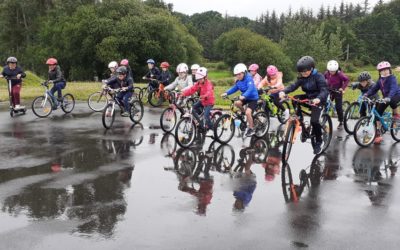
(253, 8)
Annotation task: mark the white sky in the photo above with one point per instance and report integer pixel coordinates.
(254, 8)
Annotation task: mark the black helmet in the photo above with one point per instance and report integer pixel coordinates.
(364, 76)
(122, 70)
(305, 63)
(12, 59)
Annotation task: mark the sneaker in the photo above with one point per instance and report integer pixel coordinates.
(340, 126)
(317, 148)
(125, 114)
(378, 139)
(250, 132)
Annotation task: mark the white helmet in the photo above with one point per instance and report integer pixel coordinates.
(201, 73)
(332, 65)
(239, 68)
(195, 67)
(182, 68)
(113, 64)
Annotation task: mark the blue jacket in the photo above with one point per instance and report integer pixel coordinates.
(247, 87)
(115, 83)
(314, 86)
(7, 72)
(388, 86)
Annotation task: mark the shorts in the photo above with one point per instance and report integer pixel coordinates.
(252, 104)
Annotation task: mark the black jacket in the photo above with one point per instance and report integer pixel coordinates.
(314, 86)
(56, 75)
(8, 73)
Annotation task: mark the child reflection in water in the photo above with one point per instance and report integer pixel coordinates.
(203, 194)
(272, 164)
(245, 186)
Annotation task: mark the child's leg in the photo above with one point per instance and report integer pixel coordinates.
(339, 106)
(207, 116)
(15, 94)
(126, 97)
(197, 110)
(239, 104)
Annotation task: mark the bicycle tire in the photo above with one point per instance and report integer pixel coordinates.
(395, 130)
(97, 101)
(40, 103)
(156, 99)
(288, 143)
(261, 124)
(326, 125)
(224, 123)
(280, 113)
(68, 103)
(168, 120)
(365, 140)
(188, 130)
(351, 115)
(136, 111)
(108, 116)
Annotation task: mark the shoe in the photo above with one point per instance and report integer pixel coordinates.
(250, 132)
(317, 148)
(378, 139)
(125, 114)
(210, 132)
(340, 126)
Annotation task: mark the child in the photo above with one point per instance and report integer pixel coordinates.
(183, 80)
(56, 77)
(336, 80)
(194, 69)
(364, 84)
(125, 62)
(126, 84)
(253, 72)
(153, 74)
(15, 73)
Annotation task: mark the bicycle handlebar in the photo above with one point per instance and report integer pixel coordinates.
(304, 101)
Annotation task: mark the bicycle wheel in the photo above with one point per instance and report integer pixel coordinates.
(289, 140)
(168, 119)
(261, 148)
(42, 106)
(281, 118)
(68, 103)
(365, 131)
(351, 116)
(288, 189)
(136, 112)
(395, 130)
(261, 124)
(108, 116)
(224, 157)
(97, 101)
(170, 96)
(156, 98)
(326, 125)
(185, 132)
(185, 162)
(224, 129)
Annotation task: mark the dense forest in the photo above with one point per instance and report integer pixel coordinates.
(86, 34)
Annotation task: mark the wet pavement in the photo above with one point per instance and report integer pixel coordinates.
(67, 183)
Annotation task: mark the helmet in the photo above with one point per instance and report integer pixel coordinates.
(305, 63)
(164, 65)
(51, 61)
(253, 67)
(239, 68)
(122, 70)
(272, 70)
(151, 61)
(195, 67)
(383, 65)
(113, 64)
(364, 76)
(332, 65)
(124, 62)
(12, 59)
(201, 73)
(182, 67)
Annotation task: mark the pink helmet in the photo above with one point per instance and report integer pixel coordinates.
(272, 70)
(124, 62)
(383, 65)
(253, 67)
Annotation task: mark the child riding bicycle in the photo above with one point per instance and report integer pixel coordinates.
(56, 77)
(183, 81)
(244, 83)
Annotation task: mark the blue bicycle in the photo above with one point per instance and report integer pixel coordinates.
(353, 114)
(366, 128)
(42, 106)
(330, 108)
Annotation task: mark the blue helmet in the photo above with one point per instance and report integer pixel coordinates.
(151, 61)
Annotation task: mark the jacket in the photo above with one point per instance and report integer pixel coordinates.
(56, 75)
(153, 73)
(9, 73)
(277, 83)
(387, 85)
(314, 86)
(247, 87)
(165, 77)
(180, 83)
(207, 97)
(336, 81)
(116, 83)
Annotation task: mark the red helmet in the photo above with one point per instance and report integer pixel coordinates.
(124, 62)
(51, 61)
(164, 65)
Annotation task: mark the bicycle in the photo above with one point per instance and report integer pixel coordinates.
(224, 128)
(352, 114)
(187, 130)
(42, 106)
(156, 95)
(296, 123)
(266, 104)
(168, 117)
(365, 129)
(330, 107)
(108, 116)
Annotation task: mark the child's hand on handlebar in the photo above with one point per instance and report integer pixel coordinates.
(282, 95)
(224, 95)
(316, 101)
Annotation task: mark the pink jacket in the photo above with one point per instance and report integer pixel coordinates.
(207, 97)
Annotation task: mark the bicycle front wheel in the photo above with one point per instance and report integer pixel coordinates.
(288, 143)
(351, 116)
(108, 116)
(326, 125)
(156, 98)
(281, 117)
(168, 119)
(185, 132)
(224, 129)
(68, 103)
(136, 112)
(42, 106)
(395, 130)
(365, 131)
(97, 101)
(261, 124)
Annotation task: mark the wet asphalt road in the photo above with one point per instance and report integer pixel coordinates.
(66, 183)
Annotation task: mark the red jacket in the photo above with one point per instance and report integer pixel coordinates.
(206, 92)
